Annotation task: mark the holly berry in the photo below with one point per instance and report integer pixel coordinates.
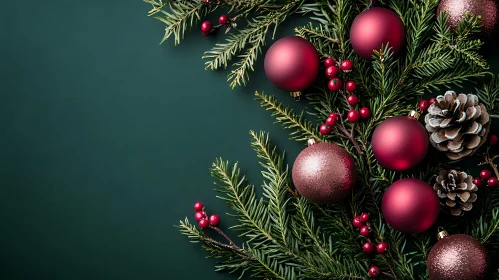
(382, 248)
(492, 139)
(364, 217)
(223, 20)
(332, 119)
(485, 174)
(368, 248)
(353, 116)
(335, 84)
(492, 182)
(206, 1)
(432, 100)
(478, 182)
(357, 223)
(204, 223)
(198, 206)
(329, 61)
(206, 27)
(374, 271)
(351, 86)
(214, 220)
(199, 215)
(332, 71)
(424, 105)
(365, 113)
(352, 100)
(365, 231)
(346, 65)
(325, 129)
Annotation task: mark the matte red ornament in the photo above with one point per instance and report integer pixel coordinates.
(364, 217)
(478, 182)
(357, 223)
(329, 61)
(410, 205)
(214, 220)
(204, 223)
(199, 215)
(325, 129)
(382, 248)
(352, 100)
(400, 143)
(374, 28)
(374, 271)
(365, 231)
(198, 206)
(368, 248)
(346, 65)
(324, 173)
(332, 71)
(492, 182)
(351, 86)
(353, 116)
(335, 84)
(292, 63)
(424, 105)
(485, 174)
(365, 113)
(332, 120)
(492, 139)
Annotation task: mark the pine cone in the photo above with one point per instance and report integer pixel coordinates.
(458, 125)
(456, 190)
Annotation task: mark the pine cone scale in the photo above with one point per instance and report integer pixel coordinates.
(456, 191)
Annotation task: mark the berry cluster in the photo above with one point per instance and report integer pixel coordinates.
(425, 104)
(486, 176)
(361, 222)
(202, 217)
(224, 20)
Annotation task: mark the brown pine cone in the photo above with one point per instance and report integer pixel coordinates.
(456, 191)
(457, 124)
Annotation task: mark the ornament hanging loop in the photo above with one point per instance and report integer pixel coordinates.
(442, 233)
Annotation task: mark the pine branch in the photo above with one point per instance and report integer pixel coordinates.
(488, 94)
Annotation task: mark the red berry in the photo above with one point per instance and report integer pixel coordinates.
(492, 139)
(329, 61)
(485, 174)
(332, 71)
(351, 86)
(382, 248)
(353, 116)
(223, 20)
(204, 223)
(199, 215)
(374, 271)
(365, 231)
(335, 84)
(352, 100)
(478, 182)
(357, 223)
(365, 113)
(334, 115)
(332, 120)
(364, 217)
(346, 65)
(424, 105)
(492, 182)
(325, 129)
(198, 206)
(368, 248)
(206, 27)
(432, 100)
(214, 220)
(206, 1)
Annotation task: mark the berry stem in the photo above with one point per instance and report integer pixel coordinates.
(494, 116)
(232, 247)
(349, 135)
(231, 243)
(490, 161)
(390, 267)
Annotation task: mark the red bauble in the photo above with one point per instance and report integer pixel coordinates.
(329, 61)
(346, 65)
(206, 27)
(292, 63)
(374, 28)
(351, 86)
(492, 139)
(332, 71)
(368, 248)
(353, 116)
(365, 231)
(410, 205)
(492, 182)
(198, 206)
(400, 143)
(374, 271)
(382, 248)
(352, 100)
(199, 215)
(325, 129)
(324, 173)
(364, 217)
(478, 182)
(357, 223)
(214, 220)
(335, 84)
(332, 120)
(424, 105)
(365, 113)
(485, 174)
(204, 224)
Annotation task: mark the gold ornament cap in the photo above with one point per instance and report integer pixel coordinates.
(296, 95)
(442, 233)
(311, 142)
(414, 114)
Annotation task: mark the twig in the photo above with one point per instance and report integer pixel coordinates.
(490, 161)
(346, 133)
(394, 276)
(494, 116)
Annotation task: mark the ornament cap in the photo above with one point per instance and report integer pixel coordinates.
(414, 114)
(442, 233)
(296, 95)
(311, 142)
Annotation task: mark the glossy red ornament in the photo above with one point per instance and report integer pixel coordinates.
(478, 182)
(374, 272)
(492, 139)
(324, 173)
(368, 248)
(325, 129)
(352, 100)
(485, 174)
(353, 116)
(365, 113)
(206, 27)
(332, 120)
(382, 248)
(357, 223)
(376, 27)
(332, 72)
(204, 224)
(365, 231)
(223, 20)
(492, 182)
(410, 205)
(424, 105)
(335, 84)
(199, 215)
(364, 217)
(400, 143)
(329, 61)
(198, 206)
(432, 100)
(346, 65)
(214, 220)
(351, 86)
(292, 63)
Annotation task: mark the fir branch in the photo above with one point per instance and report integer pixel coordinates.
(324, 40)
(488, 94)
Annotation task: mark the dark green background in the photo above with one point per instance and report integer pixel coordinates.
(106, 141)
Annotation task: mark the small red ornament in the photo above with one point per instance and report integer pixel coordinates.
(204, 224)
(198, 206)
(346, 65)
(199, 215)
(325, 129)
(223, 20)
(432, 100)
(485, 174)
(329, 61)
(492, 139)
(214, 220)
(382, 248)
(374, 271)
(357, 223)
(335, 84)
(365, 231)
(332, 72)
(365, 113)
(364, 217)
(424, 105)
(478, 182)
(353, 116)
(206, 27)
(351, 86)
(332, 120)
(352, 100)
(492, 182)
(368, 247)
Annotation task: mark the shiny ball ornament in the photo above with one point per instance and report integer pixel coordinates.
(374, 28)
(457, 256)
(400, 143)
(324, 173)
(292, 63)
(410, 205)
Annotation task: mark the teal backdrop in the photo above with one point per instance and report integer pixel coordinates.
(107, 138)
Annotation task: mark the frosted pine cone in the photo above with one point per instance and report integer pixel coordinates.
(456, 191)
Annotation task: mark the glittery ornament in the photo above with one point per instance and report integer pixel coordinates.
(457, 256)
(324, 173)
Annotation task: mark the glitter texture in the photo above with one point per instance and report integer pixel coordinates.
(324, 173)
(458, 256)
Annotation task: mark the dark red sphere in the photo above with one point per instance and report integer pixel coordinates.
(351, 86)
(346, 65)
(374, 271)
(424, 105)
(374, 28)
(364, 217)
(353, 116)
(198, 206)
(485, 174)
(332, 72)
(292, 63)
(357, 223)
(223, 20)
(410, 205)
(335, 84)
(329, 61)
(204, 224)
(365, 231)
(492, 182)
(199, 215)
(382, 248)
(332, 120)
(492, 139)
(368, 247)
(214, 220)
(400, 143)
(206, 27)
(365, 113)
(478, 182)
(352, 100)
(325, 129)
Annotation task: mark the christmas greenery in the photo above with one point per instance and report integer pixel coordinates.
(288, 237)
